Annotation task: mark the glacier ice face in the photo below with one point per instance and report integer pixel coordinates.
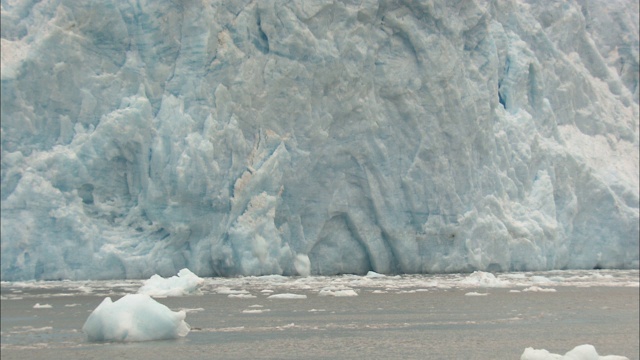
(306, 137)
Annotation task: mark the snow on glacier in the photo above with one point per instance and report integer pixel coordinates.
(306, 137)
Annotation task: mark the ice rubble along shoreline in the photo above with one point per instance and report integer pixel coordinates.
(253, 138)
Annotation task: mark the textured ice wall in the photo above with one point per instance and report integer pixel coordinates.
(297, 137)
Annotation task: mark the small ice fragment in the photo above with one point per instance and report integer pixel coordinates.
(373, 274)
(287, 296)
(483, 279)
(538, 289)
(254, 311)
(338, 293)
(241, 296)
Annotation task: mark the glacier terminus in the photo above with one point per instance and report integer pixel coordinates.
(317, 137)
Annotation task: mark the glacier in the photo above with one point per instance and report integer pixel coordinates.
(317, 137)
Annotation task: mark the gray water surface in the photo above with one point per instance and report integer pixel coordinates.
(434, 323)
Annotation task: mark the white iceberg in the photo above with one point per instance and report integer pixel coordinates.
(184, 283)
(134, 317)
(582, 352)
(42, 306)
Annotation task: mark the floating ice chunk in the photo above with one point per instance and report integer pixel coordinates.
(373, 274)
(338, 293)
(540, 280)
(184, 283)
(134, 317)
(483, 279)
(241, 296)
(287, 296)
(406, 292)
(582, 352)
(191, 310)
(538, 289)
(255, 311)
(473, 293)
(43, 306)
(223, 290)
(535, 354)
(515, 276)
(273, 278)
(31, 329)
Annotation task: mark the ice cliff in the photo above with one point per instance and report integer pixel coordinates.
(317, 137)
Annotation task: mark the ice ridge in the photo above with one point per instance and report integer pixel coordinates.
(313, 137)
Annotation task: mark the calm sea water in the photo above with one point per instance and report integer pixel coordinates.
(411, 317)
